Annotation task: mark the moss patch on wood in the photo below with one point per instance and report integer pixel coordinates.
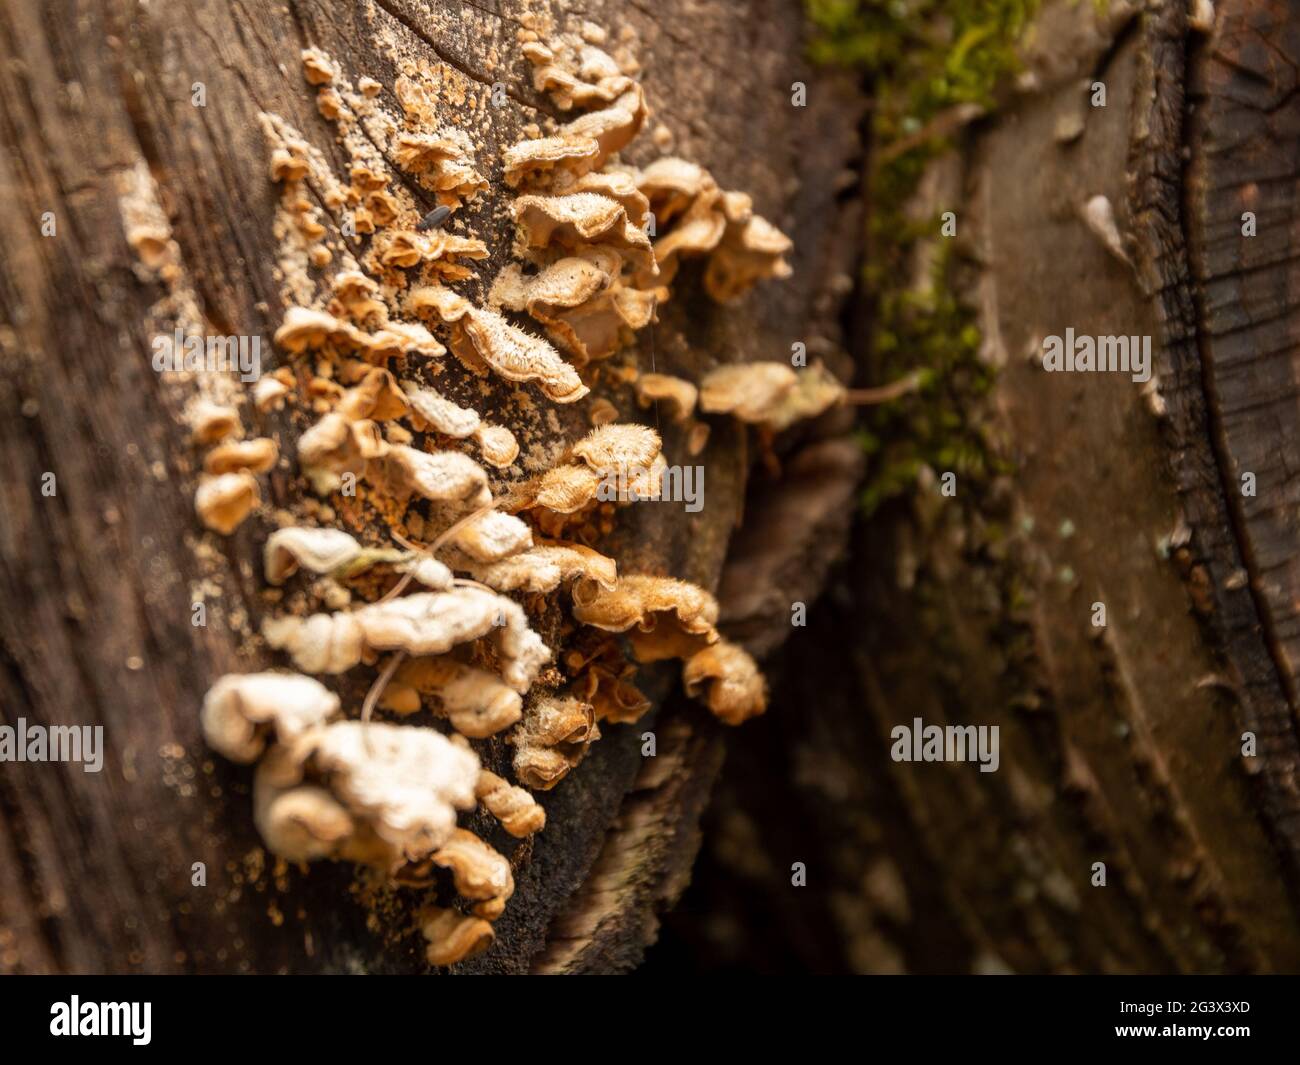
(932, 64)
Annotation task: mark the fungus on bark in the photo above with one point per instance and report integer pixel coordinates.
(663, 617)
(575, 73)
(442, 162)
(425, 623)
(211, 422)
(400, 786)
(386, 795)
(697, 218)
(452, 936)
(480, 873)
(430, 410)
(677, 392)
(516, 809)
(578, 220)
(770, 393)
(319, 550)
(552, 739)
(224, 501)
(448, 476)
(476, 703)
(256, 456)
(580, 300)
(544, 568)
(729, 680)
(242, 712)
(621, 460)
(302, 824)
(483, 339)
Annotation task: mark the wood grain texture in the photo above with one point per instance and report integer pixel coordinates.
(1244, 116)
(1119, 745)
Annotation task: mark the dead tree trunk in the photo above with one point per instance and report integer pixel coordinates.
(98, 120)
(1124, 743)
(1121, 743)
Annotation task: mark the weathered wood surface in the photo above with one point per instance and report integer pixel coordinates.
(1121, 745)
(97, 582)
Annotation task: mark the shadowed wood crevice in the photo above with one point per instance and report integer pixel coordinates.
(646, 860)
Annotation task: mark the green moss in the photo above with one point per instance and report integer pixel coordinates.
(933, 330)
(921, 58)
(926, 55)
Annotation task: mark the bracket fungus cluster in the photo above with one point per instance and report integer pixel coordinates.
(430, 488)
(740, 246)
(228, 489)
(770, 394)
(619, 462)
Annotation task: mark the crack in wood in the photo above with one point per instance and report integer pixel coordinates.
(394, 12)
